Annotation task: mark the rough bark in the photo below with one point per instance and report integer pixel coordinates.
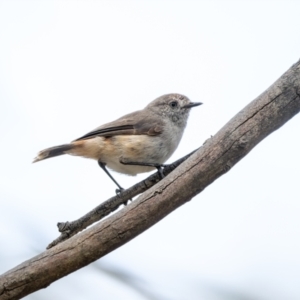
(68, 229)
(261, 117)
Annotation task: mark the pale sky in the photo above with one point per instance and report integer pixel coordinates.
(67, 67)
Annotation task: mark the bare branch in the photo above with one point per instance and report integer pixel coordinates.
(256, 121)
(68, 229)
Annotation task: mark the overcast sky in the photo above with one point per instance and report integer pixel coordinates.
(67, 67)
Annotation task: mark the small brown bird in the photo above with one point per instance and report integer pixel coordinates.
(135, 143)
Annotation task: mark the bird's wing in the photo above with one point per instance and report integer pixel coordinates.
(131, 124)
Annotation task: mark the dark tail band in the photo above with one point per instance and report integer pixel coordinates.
(53, 151)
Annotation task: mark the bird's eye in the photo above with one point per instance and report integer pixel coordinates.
(174, 104)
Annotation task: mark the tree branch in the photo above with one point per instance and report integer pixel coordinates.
(68, 229)
(261, 117)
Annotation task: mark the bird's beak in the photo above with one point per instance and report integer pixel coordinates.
(192, 104)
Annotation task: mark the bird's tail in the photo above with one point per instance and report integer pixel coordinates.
(53, 151)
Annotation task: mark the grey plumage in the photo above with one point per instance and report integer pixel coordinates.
(147, 136)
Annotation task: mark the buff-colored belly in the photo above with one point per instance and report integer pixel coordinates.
(130, 148)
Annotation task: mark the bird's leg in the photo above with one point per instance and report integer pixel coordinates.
(103, 167)
(159, 167)
(120, 189)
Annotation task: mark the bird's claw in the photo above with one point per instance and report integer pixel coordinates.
(119, 191)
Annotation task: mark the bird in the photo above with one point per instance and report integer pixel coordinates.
(135, 143)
